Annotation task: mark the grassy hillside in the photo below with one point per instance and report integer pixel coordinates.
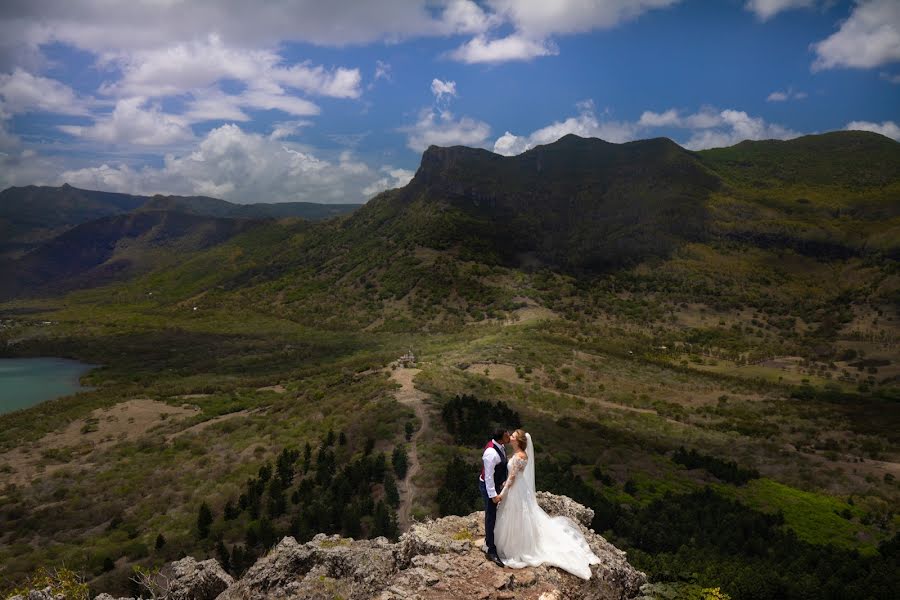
(682, 336)
(114, 247)
(33, 214)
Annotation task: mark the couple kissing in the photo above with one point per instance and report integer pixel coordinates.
(517, 532)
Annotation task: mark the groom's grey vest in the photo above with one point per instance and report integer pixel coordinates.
(500, 470)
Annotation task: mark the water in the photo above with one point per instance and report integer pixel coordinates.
(25, 382)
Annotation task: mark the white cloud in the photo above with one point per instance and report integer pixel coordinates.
(439, 127)
(8, 141)
(382, 70)
(870, 37)
(512, 47)
(443, 89)
(212, 105)
(274, 98)
(442, 129)
(784, 96)
(98, 25)
(246, 167)
(890, 77)
(287, 129)
(733, 126)
(708, 128)
(664, 119)
(586, 124)
(535, 21)
(766, 9)
(394, 178)
(887, 128)
(132, 122)
(541, 18)
(196, 66)
(22, 92)
(465, 16)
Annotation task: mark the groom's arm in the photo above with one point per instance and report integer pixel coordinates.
(490, 460)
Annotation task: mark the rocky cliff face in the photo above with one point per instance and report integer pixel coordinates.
(435, 560)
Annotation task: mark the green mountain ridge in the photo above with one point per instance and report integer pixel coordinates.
(113, 248)
(32, 215)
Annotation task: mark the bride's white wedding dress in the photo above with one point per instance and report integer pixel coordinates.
(526, 536)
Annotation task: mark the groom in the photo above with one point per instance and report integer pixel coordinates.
(493, 476)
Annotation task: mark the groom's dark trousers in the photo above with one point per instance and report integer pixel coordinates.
(490, 517)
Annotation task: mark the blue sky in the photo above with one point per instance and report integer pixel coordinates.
(332, 102)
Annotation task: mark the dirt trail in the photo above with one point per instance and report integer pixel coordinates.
(409, 395)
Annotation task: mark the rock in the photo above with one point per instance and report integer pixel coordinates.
(326, 567)
(188, 579)
(435, 560)
(108, 597)
(566, 507)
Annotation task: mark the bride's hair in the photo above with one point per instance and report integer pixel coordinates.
(522, 439)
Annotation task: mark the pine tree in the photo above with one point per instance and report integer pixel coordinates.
(231, 511)
(400, 461)
(379, 468)
(204, 520)
(224, 556)
(391, 493)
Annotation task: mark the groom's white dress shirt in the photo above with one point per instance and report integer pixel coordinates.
(491, 459)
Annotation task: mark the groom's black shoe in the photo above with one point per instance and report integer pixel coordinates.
(496, 559)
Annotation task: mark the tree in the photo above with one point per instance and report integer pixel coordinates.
(400, 461)
(284, 465)
(409, 428)
(385, 522)
(204, 520)
(224, 555)
(391, 493)
(342, 439)
(231, 511)
(160, 541)
(379, 468)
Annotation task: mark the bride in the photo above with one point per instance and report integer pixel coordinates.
(525, 535)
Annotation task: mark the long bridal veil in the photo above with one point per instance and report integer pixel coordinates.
(527, 536)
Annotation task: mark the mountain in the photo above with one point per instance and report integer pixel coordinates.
(32, 215)
(213, 207)
(577, 203)
(586, 205)
(114, 247)
(641, 216)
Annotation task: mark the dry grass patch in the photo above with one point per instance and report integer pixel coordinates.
(75, 444)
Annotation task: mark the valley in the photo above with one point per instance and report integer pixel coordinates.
(714, 344)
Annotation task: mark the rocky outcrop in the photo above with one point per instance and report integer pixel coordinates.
(440, 559)
(188, 579)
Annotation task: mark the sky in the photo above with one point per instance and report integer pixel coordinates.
(305, 100)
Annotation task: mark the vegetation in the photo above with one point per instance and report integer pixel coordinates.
(623, 303)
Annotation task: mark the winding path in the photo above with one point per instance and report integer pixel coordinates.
(409, 395)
